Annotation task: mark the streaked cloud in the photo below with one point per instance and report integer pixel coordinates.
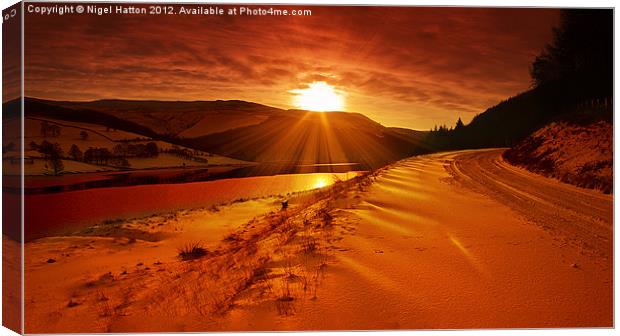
(410, 67)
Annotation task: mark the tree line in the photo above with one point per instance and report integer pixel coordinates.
(53, 154)
(568, 76)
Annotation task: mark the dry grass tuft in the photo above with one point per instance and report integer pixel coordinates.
(192, 251)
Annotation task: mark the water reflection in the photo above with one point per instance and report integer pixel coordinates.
(64, 183)
(320, 182)
(64, 212)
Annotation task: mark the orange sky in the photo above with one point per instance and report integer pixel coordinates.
(408, 67)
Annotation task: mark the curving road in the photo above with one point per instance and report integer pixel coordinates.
(583, 217)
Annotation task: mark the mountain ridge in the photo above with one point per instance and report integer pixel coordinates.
(246, 130)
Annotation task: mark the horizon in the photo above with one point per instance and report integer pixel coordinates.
(211, 101)
(454, 62)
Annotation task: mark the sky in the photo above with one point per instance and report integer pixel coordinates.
(411, 67)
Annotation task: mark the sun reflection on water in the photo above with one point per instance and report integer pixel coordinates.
(320, 183)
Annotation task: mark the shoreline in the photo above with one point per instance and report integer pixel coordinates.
(40, 184)
(77, 209)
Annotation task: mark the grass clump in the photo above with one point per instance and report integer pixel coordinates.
(193, 250)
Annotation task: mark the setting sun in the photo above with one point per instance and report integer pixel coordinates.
(319, 96)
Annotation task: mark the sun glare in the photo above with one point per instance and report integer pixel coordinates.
(319, 96)
(320, 183)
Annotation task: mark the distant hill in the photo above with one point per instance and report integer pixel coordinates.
(310, 137)
(51, 109)
(169, 117)
(246, 130)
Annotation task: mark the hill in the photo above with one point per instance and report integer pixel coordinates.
(246, 131)
(562, 126)
(74, 139)
(574, 71)
(512, 120)
(304, 137)
(172, 117)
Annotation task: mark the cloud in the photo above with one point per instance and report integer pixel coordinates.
(399, 64)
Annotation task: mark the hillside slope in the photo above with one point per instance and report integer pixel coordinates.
(172, 117)
(247, 131)
(578, 154)
(302, 137)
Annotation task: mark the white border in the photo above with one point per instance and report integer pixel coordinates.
(467, 3)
